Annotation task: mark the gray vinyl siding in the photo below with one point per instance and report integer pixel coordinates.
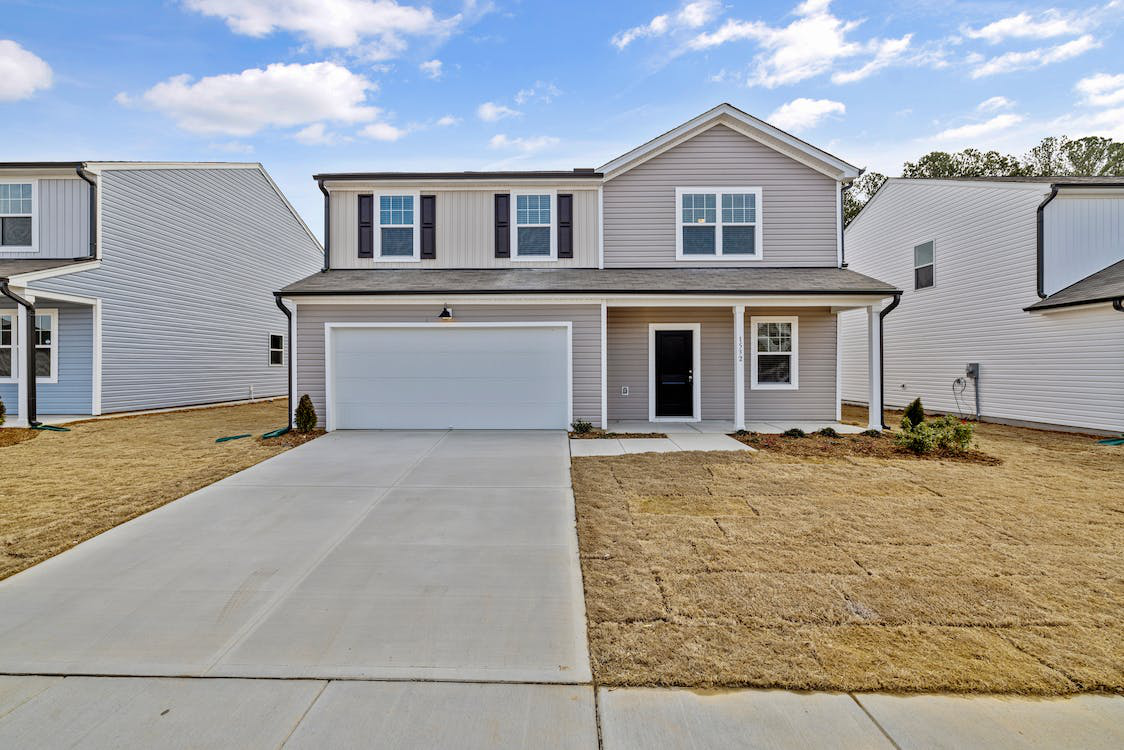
(798, 204)
(1059, 368)
(190, 258)
(63, 218)
(586, 321)
(627, 364)
(73, 391)
(1084, 232)
(465, 232)
(816, 397)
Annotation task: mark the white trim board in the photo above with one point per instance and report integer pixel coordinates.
(696, 370)
(841, 301)
(329, 354)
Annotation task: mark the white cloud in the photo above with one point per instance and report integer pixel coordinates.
(1035, 58)
(22, 73)
(542, 91)
(281, 95)
(232, 147)
(809, 46)
(994, 104)
(526, 145)
(448, 121)
(1107, 122)
(432, 68)
(382, 131)
(995, 125)
(315, 134)
(1102, 89)
(691, 15)
(803, 114)
(1049, 24)
(492, 112)
(374, 28)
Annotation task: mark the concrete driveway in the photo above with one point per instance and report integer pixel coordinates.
(412, 555)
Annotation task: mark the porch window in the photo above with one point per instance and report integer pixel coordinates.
(46, 349)
(774, 353)
(276, 349)
(7, 345)
(717, 223)
(534, 234)
(16, 212)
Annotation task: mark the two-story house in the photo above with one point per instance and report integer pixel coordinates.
(127, 286)
(696, 277)
(1013, 301)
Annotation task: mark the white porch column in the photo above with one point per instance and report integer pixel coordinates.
(874, 368)
(739, 367)
(604, 367)
(19, 365)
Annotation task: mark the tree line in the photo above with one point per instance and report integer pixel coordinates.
(1092, 156)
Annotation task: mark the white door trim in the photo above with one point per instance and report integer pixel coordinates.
(696, 364)
(329, 354)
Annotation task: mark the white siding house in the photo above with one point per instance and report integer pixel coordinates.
(1058, 364)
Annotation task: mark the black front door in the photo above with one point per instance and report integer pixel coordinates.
(675, 377)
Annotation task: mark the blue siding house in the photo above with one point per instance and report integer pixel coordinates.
(149, 285)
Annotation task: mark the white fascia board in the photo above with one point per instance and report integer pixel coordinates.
(841, 301)
(504, 185)
(747, 125)
(106, 166)
(22, 279)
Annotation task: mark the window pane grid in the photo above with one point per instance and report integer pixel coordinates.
(396, 210)
(699, 208)
(739, 208)
(532, 210)
(774, 337)
(15, 199)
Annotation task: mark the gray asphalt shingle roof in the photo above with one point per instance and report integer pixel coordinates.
(589, 280)
(1103, 286)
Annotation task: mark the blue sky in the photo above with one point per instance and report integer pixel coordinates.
(331, 85)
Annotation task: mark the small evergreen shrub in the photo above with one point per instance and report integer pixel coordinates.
(795, 432)
(915, 411)
(305, 417)
(871, 433)
(827, 432)
(581, 426)
(947, 434)
(3, 411)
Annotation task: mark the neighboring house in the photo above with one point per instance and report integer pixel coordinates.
(150, 284)
(696, 277)
(1018, 276)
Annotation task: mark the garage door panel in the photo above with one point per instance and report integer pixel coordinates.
(441, 377)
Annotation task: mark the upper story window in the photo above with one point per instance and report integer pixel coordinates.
(923, 265)
(396, 226)
(718, 223)
(17, 206)
(533, 230)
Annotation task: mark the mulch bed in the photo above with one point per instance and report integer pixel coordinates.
(292, 438)
(16, 435)
(819, 446)
(599, 435)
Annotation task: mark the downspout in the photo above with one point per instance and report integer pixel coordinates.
(289, 353)
(882, 357)
(843, 225)
(327, 226)
(89, 178)
(1118, 304)
(1042, 240)
(29, 358)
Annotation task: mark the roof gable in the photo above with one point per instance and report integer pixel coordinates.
(740, 122)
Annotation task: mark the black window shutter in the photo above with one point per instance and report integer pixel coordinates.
(565, 225)
(428, 227)
(503, 225)
(366, 226)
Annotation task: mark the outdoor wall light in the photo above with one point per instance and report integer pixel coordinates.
(446, 315)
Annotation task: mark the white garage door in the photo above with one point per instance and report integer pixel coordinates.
(450, 375)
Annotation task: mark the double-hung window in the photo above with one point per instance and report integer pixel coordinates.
(276, 349)
(718, 223)
(7, 346)
(774, 353)
(46, 346)
(923, 265)
(398, 237)
(17, 212)
(532, 233)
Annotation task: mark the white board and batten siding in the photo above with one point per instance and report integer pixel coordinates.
(190, 260)
(1061, 368)
(585, 335)
(62, 219)
(465, 229)
(798, 204)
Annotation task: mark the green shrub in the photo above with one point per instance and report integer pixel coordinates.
(945, 434)
(827, 432)
(3, 411)
(871, 433)
(795, 432)
(305, 417)
(581, 426)
(915, 411)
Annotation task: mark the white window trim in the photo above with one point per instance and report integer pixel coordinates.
(933, 264)
(17, 363)
(269, 355)
(759, 245)
(794, 355)
(34, 246)
(13, 314)
(513, 225)
(377, 225)
(696, 367)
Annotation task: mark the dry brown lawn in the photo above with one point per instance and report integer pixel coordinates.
(64, 487)
(857, 572)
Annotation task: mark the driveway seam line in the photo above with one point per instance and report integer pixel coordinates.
(301, 718)
(875, 721)
(249, 627)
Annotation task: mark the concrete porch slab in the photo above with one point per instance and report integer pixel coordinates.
(675, 442)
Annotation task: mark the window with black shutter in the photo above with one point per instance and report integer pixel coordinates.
(428, 227)
(366, 226)
(565, 225)
(503, 225)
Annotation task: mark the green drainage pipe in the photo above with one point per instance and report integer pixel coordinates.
(1112, 441)
(276, 433)
(232, 437)
(50, 428)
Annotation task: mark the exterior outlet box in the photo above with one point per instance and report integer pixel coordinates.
(624, 390)
(972, 370)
